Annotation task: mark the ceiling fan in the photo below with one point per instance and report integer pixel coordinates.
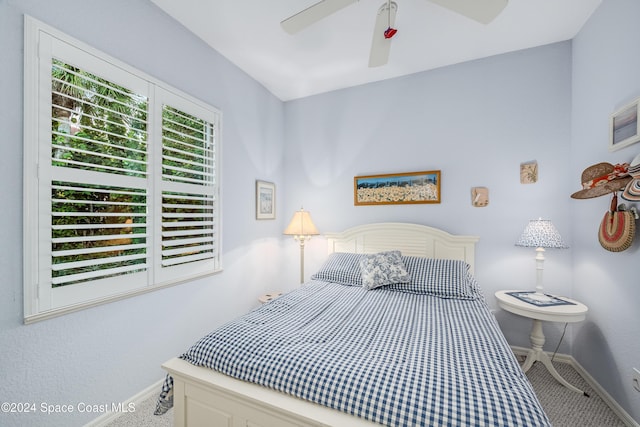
(483, 11)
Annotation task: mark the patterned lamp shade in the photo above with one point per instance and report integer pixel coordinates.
(541, 233)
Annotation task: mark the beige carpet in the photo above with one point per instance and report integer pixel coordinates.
(564, 407)
(143, 416)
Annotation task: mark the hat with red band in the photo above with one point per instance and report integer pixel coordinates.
(601, 179)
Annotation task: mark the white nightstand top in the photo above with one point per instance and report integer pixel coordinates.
(575, 312)
(268, 297)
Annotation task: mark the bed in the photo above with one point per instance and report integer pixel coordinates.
(392, 330)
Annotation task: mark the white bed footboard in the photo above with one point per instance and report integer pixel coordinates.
(206, 398)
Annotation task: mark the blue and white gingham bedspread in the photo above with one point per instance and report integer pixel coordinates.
(395, 358)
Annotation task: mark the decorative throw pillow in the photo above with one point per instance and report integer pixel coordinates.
(382, 269)
(341, 267)
(446, 278)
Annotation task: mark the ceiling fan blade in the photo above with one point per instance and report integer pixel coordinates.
(483, 11)
(380, 45)
(313, 14)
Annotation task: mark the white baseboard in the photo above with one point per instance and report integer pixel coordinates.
(615, 407)
(136, 400)
(606, 397)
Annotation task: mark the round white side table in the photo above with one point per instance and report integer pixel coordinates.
(566, 313)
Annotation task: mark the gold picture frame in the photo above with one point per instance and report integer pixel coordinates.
(397, 188)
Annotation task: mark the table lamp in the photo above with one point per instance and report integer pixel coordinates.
(540, 234)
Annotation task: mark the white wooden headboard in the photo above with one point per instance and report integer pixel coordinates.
(410, 239)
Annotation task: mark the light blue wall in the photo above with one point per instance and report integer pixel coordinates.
(109, 353)
(605, 78)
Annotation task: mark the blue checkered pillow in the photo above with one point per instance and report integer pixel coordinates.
(446, 278)
(383, 268)
(341, 267)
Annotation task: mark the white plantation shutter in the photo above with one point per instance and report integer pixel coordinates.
(94, 166)
(189, 208)
(97, 125)
(187, 228)
(95, 240)
(121, 179)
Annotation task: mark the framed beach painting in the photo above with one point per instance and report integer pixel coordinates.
(265, 200)
(624, 128)
(397, 188)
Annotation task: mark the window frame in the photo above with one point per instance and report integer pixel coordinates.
(38, 304)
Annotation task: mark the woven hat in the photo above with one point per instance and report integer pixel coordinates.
(617, 228)
(601, 179)
(632, 190)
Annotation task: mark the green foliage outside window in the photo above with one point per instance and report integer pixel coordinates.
(101, 127)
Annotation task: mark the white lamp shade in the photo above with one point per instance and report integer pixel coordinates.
(541, 233)
(301, 225)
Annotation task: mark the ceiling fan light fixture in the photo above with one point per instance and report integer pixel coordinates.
(390, 32)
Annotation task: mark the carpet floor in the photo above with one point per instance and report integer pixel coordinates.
(564, 407)
(567, 408)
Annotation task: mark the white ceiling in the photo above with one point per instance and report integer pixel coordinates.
(334, 52)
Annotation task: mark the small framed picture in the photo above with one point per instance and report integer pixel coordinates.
(529, 172)
(479, 197)
(624, 128)
(265, 200)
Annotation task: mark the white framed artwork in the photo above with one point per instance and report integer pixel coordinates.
(265, 200)
(624, 128)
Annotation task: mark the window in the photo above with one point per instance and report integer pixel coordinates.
(121, 179)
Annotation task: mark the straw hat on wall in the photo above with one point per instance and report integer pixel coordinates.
(601, 179)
